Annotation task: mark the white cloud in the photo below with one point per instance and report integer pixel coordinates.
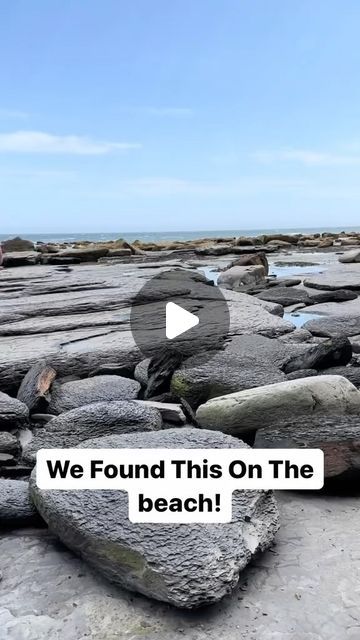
(40, 142)
(307, 157)
(13, 113)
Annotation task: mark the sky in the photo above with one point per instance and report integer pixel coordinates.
(158, 115)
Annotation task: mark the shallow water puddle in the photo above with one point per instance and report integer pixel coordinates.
(299, 318)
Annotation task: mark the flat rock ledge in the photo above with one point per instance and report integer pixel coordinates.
(184, 565)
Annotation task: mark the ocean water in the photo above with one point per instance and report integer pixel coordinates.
(159, 236)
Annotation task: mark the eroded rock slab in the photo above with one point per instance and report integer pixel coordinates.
(35, 388)
(16, 507)
(331, 353)
(13, 413)
(185, 565)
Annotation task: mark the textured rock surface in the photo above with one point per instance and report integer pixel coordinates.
(199, 378)
(92, 421)
(98, 389)
(15, 505)
(337, 436)
(185, 565)
(256, 408)
(350, 256)
(34, 390)
(235, 277)
(351, 373)
(334, 352)
(341, 276)
(284, 295)
(13, 413)
(335, 326)
(8, 443)
(306, 588)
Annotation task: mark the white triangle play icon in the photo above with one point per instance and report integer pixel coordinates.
(178, 320)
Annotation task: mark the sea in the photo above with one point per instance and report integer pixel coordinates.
(159, 236)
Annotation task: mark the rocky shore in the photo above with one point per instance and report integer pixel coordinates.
(287, 376)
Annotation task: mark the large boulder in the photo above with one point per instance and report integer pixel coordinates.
(251, 259)
(13, 413)
(350, 373)
(331, 353)
(92, 421)
(350, 256)
(255, 408)
(34, 390)
(90, 253)
(285, 296)
(202, 377)
(236, 277)
(16, 506)
(17, 244)
(337, 436)
(333, 326)
(186, 565)
(78, 393)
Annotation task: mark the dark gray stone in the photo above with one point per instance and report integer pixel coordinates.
(285, 296)
(302, 373)
(13, 413)
(334, 326)
(351, 373)
(8, 443)
(92, 421)
(16, 506)
(186, 565)
(339, 295)
(334, 352)
(199, 378)
(98, 389)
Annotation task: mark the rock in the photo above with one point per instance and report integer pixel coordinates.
(337, 436)
(350, 373)
(333, 327)
(244, 241)
(302, 373)
(281, 237)
(58, 259)
(6, 459)
(250, 259)
(15, 504)
(285, 296)
(170, 411)
(341, 276)
(17, 244)
(331, 353)
(98, 389)
(310, 243)
(235, 277)
(350, 256)
(186, 565)
(355, 343)
(280, 244)
(160, 370)
(255, 408)
(20, 258)
(16, 472)
(325, 243)
(92, 421)
(13, 413)
(141, 373)
(119, 252)
(340, 295)
(34, 390)
(200, 378)
(8, 443)
(298, 336)
(90, 253)
(216, 250)
(41, 418)
(284, 282)
(126, 370)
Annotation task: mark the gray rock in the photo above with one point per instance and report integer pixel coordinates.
(98, 389)
(8, 443)
(123, 369)
(298, 336)
(199, 378)
(20, 258)
(236, 277)
(333, 327)
(17, 244)
(171, 412)
(302, 373)
(34, 390)
(92, 421)
(187, 565)
(341, 276)
(141, 373)
(263, 406)
(337, 436)
(16, 506)
(333, 352)
(350, 256)
(285, 296)
(339, 295)
(13, 413)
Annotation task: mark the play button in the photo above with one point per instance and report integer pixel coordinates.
(178, 320)
(179, 311)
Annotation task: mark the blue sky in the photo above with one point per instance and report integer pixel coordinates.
(183, 115)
